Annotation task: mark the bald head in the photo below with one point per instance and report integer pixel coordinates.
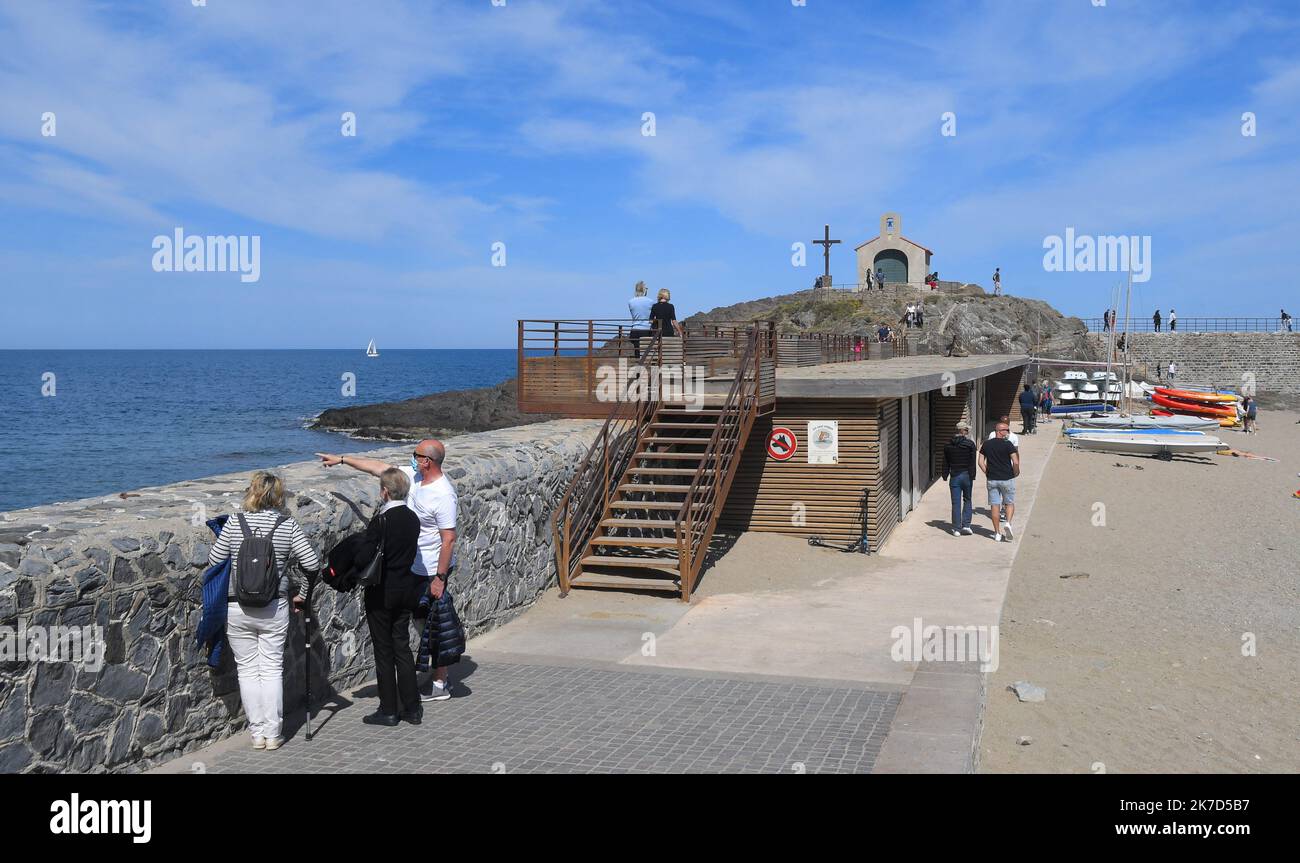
(432, 450)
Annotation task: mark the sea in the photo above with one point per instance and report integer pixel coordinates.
(85, 423)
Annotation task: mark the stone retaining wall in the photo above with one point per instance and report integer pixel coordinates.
(132, 566)
(1221, 359)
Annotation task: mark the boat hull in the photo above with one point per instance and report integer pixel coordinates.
(1194, 407)
(1149, 444)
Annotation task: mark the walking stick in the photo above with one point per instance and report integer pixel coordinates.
(306, 628)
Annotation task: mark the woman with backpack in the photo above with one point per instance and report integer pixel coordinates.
(259, 541)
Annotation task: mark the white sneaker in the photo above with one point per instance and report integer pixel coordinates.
(274, 743)
(956, 533)
(436, 693)
(1006, 531)
(997, 537)
(259, 742)
(968, 531)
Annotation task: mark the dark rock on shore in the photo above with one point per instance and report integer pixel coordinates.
(438, 415)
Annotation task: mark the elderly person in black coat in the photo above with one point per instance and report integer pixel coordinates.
(390, 603)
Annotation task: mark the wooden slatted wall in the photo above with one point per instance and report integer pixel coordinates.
(1000, 392)
(802, 499)
(945, 411)
(884, 495)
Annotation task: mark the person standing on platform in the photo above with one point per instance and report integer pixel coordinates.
(1173, 320)
(999, 461)
(663, 315)
(1286, 321)
(1155, 319)
(959, 457)
(639, 308)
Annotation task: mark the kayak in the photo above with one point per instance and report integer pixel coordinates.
(1194, 407)
(1196, 396)
(1090, 407)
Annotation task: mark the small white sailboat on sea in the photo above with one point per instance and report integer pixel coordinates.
(371, 350)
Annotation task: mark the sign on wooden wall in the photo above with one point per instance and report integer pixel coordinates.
(823, 442)
(781, 444)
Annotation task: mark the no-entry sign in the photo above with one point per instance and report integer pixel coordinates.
(781, 444)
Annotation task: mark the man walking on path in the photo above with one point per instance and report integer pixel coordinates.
(1028, 408)
(1011, 436)
(1173, 320)
(433, 499)
(639, 308)
(1173, 369)
(999, 461)
(959, 469)
(997, 281)
(1155, 319)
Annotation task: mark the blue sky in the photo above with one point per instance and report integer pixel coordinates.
(522, 124)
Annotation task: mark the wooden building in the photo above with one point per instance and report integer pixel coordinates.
(808, 435)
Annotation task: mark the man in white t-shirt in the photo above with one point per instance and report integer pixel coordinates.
(433, 500)
(1011, 436)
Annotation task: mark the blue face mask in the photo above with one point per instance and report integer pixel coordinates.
(415, 465)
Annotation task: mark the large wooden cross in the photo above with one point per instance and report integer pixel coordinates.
(826, 244)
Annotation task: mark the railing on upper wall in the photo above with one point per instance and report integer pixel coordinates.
(1196, 325)
(567, 366)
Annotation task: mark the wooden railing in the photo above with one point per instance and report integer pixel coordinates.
(580, 510)
(702, 505)
(564, 364)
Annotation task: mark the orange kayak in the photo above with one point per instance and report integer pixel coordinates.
(1197, 396)
(1189, 407)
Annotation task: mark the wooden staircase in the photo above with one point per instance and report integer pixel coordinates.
(644, 503)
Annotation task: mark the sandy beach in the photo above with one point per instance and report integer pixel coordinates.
(1141, 648)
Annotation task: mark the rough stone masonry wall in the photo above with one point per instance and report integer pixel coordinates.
(1221, 359)
(133, 565)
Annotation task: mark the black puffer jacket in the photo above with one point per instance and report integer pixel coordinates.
(443, 639)
(959, 455)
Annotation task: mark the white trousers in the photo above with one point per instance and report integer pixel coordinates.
(257, 637)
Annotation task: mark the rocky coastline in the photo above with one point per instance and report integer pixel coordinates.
(439, 415)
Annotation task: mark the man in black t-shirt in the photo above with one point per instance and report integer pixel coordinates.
(1000, 463)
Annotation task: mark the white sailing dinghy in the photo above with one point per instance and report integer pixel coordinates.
(1155, 444)
(371, 350)
(1178, 421)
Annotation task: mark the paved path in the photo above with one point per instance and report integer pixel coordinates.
(782, 663)
(513, 718)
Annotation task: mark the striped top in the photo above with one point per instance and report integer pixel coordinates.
(289, 541)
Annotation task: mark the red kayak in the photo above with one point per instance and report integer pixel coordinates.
(1197, 408)
(1197, 396)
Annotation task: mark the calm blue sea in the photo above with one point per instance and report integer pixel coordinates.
(119, 420)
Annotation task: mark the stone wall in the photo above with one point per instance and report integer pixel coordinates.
(132, 565)
(1220, 359)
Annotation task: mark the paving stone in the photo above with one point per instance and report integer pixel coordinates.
(543, 719)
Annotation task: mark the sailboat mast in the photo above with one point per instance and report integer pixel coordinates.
(1128, 366)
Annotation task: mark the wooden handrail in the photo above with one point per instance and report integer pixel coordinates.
(694, 529)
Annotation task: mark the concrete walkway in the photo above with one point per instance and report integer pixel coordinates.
(791, 631)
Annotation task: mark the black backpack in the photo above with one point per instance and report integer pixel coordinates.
(257, 578)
